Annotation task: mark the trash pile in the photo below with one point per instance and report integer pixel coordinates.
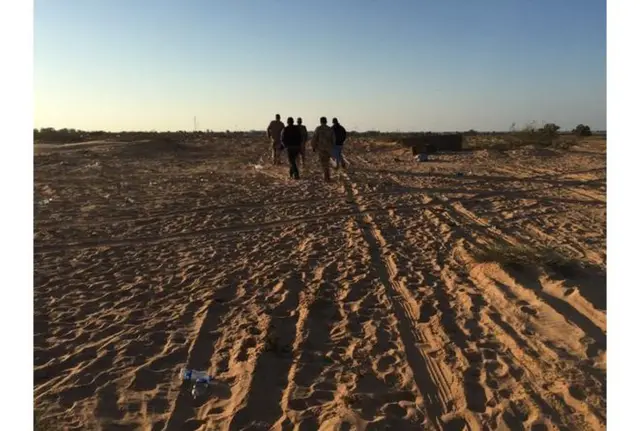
(200, 382)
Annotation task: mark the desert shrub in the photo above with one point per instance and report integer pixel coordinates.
(582, 130)
(542, 136)
(565, 142)
(522, 257)
(545, 136)
(530, 135)
(550, 129)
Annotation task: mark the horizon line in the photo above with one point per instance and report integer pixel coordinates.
(70, 129)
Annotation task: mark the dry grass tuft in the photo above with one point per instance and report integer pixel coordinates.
(517, 141)
(521, 257)
(43, 424)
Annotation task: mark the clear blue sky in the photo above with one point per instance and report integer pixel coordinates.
(434, 65)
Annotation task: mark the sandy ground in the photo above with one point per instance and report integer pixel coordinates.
(353, 305)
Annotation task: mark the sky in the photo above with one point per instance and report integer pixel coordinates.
(409, 65)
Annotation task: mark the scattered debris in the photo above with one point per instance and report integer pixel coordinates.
(200, 388)
(489, 153)
(201, 381)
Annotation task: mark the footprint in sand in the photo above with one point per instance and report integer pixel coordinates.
(525, 307)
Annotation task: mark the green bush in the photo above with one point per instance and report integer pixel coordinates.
(582, 130)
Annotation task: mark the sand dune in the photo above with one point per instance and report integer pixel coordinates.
(360, 304)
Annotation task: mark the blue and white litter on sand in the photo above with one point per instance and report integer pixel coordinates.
(200, 379)
(421, 157)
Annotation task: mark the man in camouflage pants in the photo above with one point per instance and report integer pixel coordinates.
(274, 134)
(322, 142)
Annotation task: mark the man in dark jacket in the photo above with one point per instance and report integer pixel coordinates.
(341, 136)
(291, 139)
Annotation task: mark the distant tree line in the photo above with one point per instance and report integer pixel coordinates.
(64, 136)
(51, 135)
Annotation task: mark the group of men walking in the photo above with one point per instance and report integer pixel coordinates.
(326, 141)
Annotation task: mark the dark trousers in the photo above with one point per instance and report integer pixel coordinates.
(302, 158)
(337, 154)
(292, 155)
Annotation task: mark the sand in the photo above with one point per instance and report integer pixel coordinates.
(354, 305)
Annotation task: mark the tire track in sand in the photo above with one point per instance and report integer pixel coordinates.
(222, 307)
(541, 398)
(309, 367)
(581, 314)
(199, 356)
(518, 352)
(581, 318)
(433, 379)
(468, 347)
(208, 232)
(256, 350)
(513, 398)
(265, 402)
(537, 173)
(460, 216)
